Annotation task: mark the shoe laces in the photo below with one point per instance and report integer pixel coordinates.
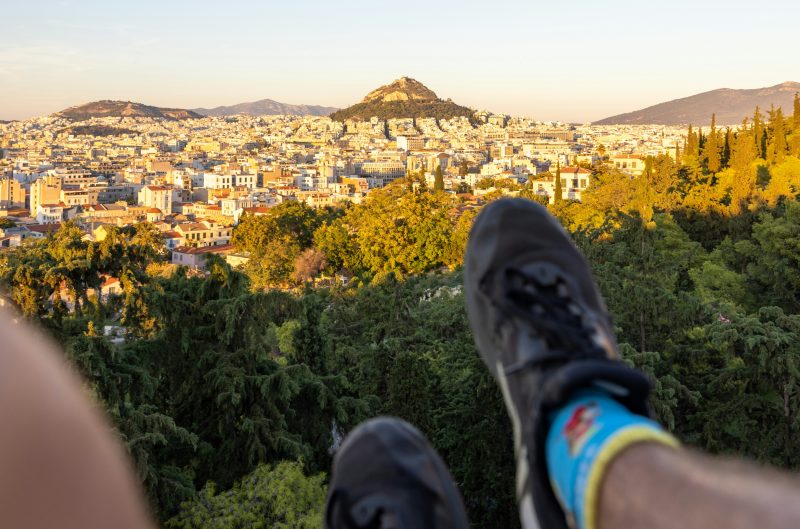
(543, 298)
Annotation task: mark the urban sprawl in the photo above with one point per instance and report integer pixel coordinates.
(194, 179)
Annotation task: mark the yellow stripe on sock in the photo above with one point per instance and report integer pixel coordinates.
(609, 451)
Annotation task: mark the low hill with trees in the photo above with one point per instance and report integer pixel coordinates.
(403, 98)
(124, 109)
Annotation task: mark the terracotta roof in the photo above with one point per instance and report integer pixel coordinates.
(575, 170)
(154, 210)
(109, 281)
(224, 248)
(43, 228)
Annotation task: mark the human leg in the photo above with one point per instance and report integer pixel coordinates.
(587, 454)
(59, 464)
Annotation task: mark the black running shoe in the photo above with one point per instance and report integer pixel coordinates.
(387, 476)
(543, 330)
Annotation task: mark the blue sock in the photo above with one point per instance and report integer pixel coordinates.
(585, 436)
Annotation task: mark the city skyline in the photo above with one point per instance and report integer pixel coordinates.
(546, 62)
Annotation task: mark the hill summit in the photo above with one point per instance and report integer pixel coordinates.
(403, 98)
(124, 109)
(730, 106)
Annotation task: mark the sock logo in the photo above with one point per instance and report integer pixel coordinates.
(581, 426)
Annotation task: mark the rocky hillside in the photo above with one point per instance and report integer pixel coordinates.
(266, 107)
(730, 106)
(124, 109)
(404, 98)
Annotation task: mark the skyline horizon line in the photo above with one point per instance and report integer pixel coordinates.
(318, 104)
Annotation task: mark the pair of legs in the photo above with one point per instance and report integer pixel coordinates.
(540, 327)
(587, 455)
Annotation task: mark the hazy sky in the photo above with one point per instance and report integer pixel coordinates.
(576, 60)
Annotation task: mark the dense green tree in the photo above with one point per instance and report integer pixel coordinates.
(794, 146)
(438, 179)
(711, 149)
(692, 147)
(558, 190)
(776, 147)
(278, 496)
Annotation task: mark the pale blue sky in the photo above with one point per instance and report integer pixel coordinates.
(577, 61)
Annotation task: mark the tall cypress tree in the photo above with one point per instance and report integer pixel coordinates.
(726, 148)
(691, 143)
(559, 190)
(438, 179)
(795, 145)
(796, 115)
(759, 134)
(711, 148)
(776, 149)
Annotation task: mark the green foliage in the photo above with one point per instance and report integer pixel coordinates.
(394, 230)
(384, 110)
(438, 179)
(278, 496)
(276, 241)
(559, 189)
(408, 345)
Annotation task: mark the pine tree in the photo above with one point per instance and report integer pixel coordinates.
(692, 143)
(558, 188)
(438, 179)
(726, 148)
(776, 149)
(796, 115)
(742, 157)
(759, 134)
(795, 145)
(711, 148)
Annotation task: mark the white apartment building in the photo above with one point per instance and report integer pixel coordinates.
(574, 181)
(230, 206)
(49, 213)
(247, 180)
(217, 181)
(628, 164)
(158, 197)
(310, 180)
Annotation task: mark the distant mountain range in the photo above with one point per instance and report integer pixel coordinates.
(730, 106)
(266, 107)
(124, 109)
(403, 98)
